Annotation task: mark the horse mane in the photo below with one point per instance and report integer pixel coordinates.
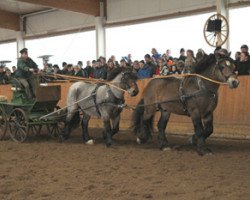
(205, 63)
(113, 73)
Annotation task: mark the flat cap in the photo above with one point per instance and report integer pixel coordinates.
(24, 50)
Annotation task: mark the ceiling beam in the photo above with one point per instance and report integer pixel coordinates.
(91, 7)
(9, 20)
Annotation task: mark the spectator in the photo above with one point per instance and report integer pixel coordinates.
(145, 70)
(100, 71)
(168, 55)
(89, 69)
(56, 69)
(103, 62)
(175, 70)
(84, 72)
(124, 65)
(163, 68)
(244, 48)
(149, 63)
(13, 70)
(237, 56)
(182, 55)
(2, 75)
(78, 71)
(111, 69)
(243, 66)
(8, 75)
(155, 54)
(136, 66)
(189, 62)
(65, 68)
(114, 60)
(70, 70)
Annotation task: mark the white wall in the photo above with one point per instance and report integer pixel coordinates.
(122, 10)
(56, 21)
(6, 34)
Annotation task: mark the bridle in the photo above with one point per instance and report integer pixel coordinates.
(221, 67)
(124, 80)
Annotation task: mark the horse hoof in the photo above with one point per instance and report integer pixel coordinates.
(203, 152)
(90, 142)
(192, 140)
(138, 140)
(166, 149)
(110, 143)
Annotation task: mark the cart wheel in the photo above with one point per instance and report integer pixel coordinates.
(35, 130)
(3, 124)
(54, 130)
(18, 124)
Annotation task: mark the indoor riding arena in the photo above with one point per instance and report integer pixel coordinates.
(124, 100)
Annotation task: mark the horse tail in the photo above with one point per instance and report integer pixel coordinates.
(138, 117)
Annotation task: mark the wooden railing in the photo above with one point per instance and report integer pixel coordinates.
(232, 115)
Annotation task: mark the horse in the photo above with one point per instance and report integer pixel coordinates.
(101, 100)
(192, 96)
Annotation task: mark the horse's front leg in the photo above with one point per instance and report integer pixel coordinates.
(208, 128)
(108, 133)
(162, 124)
(85, 130)
(199, 132)
(115, 125)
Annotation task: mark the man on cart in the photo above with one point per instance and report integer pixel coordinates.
(25, 73)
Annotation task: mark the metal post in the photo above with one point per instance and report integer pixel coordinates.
(222, 8)
(100, 33)
(20, 38)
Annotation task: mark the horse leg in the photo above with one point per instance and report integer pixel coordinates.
(208, 125)
(85, 130)
(108, 133)
(208, 128)
(199, 132)
(162, 124)
(115, 125)
(71, 119)
(147, 125)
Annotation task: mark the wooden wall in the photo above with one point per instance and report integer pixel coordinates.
(232, 116)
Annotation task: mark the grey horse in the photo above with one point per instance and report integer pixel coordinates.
(101, 100)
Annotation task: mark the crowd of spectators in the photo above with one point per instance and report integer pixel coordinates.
(155, 64)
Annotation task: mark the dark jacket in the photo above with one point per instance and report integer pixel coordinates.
(23, 67)
(153, 66)
(243, 67)
(100, 73)
(3, 78)
(145, 72)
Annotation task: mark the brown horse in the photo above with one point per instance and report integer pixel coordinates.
(191, 96)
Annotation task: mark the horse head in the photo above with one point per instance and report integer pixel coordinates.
(128, 82)
(224, 69)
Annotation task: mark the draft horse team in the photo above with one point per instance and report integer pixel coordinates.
(192, 96)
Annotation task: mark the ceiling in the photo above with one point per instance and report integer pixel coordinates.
(20, 7)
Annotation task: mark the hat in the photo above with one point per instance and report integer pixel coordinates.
(147, 56)
(244, 46)
(56, 66)
(24, 50)
(142, 61)
(79, 63)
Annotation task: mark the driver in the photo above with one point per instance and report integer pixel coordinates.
(24, 73)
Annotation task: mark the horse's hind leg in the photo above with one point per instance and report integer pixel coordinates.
(85, 129)
(162, 124)
(72, 119)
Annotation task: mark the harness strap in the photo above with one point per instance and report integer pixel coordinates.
(93, 94)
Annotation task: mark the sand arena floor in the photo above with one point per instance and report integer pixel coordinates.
(42, 168)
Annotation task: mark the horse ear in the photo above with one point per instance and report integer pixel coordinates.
(229, 54)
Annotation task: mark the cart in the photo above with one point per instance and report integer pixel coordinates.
(21, 116)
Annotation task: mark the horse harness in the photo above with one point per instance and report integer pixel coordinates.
(202, 90)
(111, 100)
